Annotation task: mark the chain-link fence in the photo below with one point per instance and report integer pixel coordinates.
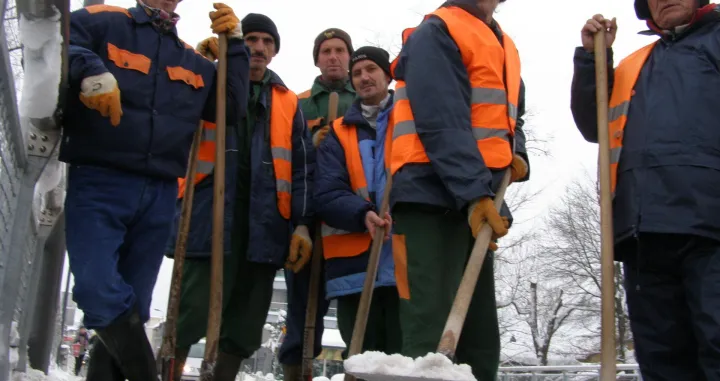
(28, 211)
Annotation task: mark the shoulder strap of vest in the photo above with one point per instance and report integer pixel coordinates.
(337, 124)
(627, 73)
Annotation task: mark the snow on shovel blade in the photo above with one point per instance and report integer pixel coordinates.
(385, 377)
(377, 366)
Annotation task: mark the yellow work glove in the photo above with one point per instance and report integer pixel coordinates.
(518, 168)
(224, 21)
(319, 135)
(493, 245)
(300, 249)
(101, 93)
(209, 48)
(482, 211)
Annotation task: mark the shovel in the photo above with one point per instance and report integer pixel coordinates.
(216, 270)
(607, 330)
(456, 319)
(167, 352)
(315, 272)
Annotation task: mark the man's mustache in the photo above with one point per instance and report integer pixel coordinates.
(259, 55)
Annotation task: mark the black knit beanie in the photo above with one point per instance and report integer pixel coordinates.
(329, 34)
(378, 55)
(643, 11)
(255, 22)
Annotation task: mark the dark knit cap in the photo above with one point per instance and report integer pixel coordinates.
(329, 34)
(378, 55)
(643, 11)
(255, 22)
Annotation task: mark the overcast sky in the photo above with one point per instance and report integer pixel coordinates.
(546, 33)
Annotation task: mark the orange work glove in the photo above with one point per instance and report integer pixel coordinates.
(224, 21)
(209, 48)
(493, 244)
(101, 93)
(319, 135)
(518, 168)
(300, 249)
(482, 211)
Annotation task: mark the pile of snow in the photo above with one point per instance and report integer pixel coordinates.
(258, 376)
(14, 342)
(434, 365)
(337, 377)
(42, 50)
(36, 375)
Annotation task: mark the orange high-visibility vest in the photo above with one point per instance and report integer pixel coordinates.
(626, 75)
(283, 109)
(494, 73)
(339, 243)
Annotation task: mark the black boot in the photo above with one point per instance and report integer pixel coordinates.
(128, 344)
(226, 367)
(102, 366)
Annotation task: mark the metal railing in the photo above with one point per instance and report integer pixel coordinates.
(625, 372)
(27, 214)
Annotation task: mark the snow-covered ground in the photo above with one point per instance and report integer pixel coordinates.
(36, 375)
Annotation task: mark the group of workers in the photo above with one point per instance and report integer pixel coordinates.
(442, 140)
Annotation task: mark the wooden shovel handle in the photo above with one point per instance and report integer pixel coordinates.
(315, 271)
(458, 313)
(216, 270)
(607, 345)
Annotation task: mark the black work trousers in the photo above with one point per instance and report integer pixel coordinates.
(673, 294)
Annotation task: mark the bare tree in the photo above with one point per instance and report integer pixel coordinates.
(571, 252)
(545, 311)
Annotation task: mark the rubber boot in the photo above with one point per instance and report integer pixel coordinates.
(181, 355)
(292, 372)
(102, 366)
(127, 343)
(226, 367)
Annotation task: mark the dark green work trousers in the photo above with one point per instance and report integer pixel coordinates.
(382, 332)
(247, 293)
(431, 252)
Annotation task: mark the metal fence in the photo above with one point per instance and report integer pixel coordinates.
(27, 214)
(625, 372)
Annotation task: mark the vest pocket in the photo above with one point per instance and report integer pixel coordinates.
(177, 73)
(128, 60)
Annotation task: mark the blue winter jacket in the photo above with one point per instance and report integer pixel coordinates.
(339, 206)
(165, 85)
(269, 232)
(438, 89)
(669, 169)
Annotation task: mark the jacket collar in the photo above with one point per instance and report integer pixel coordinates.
(141, 17)
(319, 88)
(705, 15)
(354, 114)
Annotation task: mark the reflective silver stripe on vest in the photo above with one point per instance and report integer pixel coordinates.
(407, 127)
(208, 135)
(615, 155)
(279, 153)
(614, 113)
(363, 192)
(480, 133)
(205, 167)
(328, 231)
(479, 95)
(400, 94)
(283, 186)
